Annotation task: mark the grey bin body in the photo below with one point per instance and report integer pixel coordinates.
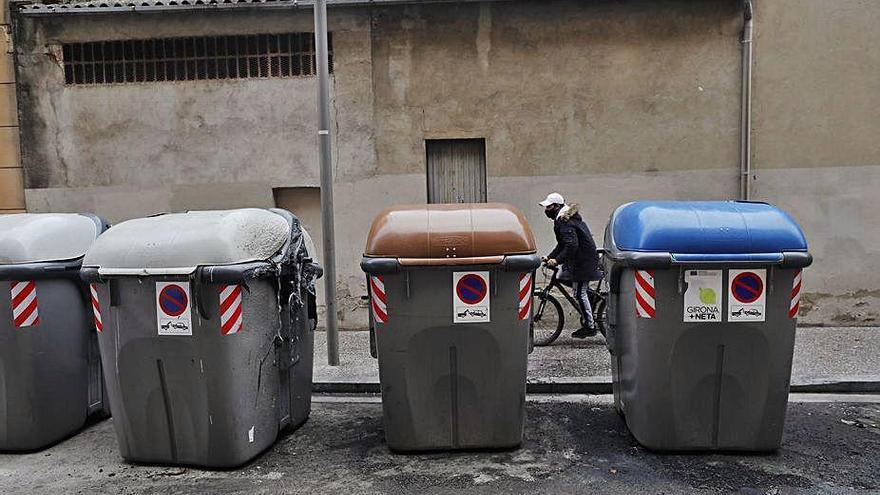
(208, 399)
(447, 385)
(50, 371)
(685, 385)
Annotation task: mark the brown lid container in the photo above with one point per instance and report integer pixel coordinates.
(450, 233)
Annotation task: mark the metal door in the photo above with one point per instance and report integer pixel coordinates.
(456, 170)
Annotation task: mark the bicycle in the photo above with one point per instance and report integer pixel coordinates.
(548, 320)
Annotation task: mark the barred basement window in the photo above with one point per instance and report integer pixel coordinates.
(191, 59)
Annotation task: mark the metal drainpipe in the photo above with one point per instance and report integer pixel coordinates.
(745, 182)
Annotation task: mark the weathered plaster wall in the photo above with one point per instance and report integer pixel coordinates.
(817, 143)
(188, 133)
(563, 87)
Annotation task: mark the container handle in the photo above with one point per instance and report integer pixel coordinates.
(198, 293)
(41, 270)
(521, 263)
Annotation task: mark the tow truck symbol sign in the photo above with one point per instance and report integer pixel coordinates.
(177, 325)
(478, 313)
(747, 312)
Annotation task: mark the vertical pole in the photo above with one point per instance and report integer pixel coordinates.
(326, 162)
(745, 192)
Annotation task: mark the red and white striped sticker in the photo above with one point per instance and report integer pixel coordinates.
(96, 307)
(646, 306)
(378, 300)
(231, 318)
(795, 305)
(525, 295)
(25, 312)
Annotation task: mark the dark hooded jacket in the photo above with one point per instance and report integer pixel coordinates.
(575, 248)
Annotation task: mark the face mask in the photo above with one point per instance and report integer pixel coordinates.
(551, 213)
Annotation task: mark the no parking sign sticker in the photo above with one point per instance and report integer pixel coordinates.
(173, 315)
(470, 297)
(748, 295)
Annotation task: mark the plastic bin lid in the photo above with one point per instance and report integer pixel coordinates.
(178, 243)
(705, 228)
(42, 237)
(444, 231)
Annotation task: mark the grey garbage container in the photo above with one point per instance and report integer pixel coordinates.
(703, 307)
(207, 334)
(50, 370)
(450, 297)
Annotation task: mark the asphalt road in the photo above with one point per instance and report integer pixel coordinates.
(572, 445)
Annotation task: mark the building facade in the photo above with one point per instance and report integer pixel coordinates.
(11, 184)
(128, 113)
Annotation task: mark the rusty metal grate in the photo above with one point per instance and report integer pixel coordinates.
(191, 59)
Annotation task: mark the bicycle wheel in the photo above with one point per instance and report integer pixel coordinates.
(600, 315)
(547, 320)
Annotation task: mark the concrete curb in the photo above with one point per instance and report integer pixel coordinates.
(837, 384)
(570, 385)
(596, 385)
(346, 388)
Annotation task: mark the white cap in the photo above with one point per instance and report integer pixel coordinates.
(552, 199)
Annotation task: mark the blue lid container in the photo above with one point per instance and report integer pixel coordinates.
(655, 234)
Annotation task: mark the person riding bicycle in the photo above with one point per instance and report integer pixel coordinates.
(576, 251)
